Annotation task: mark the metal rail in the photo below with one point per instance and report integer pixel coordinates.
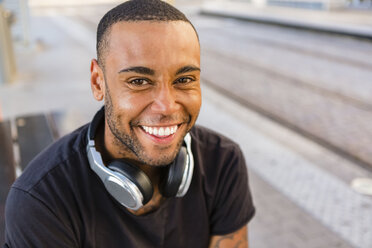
(233, 60)
(284, 122)
(247, 37)
(316, 54)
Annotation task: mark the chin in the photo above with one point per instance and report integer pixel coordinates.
(160, 158)
(159, 161)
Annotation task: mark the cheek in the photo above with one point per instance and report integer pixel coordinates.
(192, 102)
(131, 105)
(127, 103)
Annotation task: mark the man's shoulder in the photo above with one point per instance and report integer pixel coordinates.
(213, 149)
(206, 138)
(59, 154)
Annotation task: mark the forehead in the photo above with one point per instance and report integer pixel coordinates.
(151, 43)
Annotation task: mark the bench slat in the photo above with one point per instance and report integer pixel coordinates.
(7, 169)
(34, 134)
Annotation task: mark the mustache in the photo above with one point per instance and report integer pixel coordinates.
(162, 119)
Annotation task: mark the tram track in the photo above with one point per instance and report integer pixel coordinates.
(285, 78)
(314, 123)
(247, 37)
(289, 125)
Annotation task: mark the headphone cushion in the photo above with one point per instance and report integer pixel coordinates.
(172, 178)
(135, 175)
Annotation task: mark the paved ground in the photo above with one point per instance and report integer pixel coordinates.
(301, 200)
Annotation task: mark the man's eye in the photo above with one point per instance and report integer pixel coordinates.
(139, 82)
(184, 80)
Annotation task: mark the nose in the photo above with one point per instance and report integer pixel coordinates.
(165, 100)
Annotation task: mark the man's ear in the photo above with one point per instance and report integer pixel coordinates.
(97, 82)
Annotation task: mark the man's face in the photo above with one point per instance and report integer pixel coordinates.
(151, 90)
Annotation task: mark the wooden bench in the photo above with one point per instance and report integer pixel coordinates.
(20, 142)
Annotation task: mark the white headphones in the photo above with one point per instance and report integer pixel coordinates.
(128, 184)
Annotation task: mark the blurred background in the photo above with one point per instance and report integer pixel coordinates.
(289, 80)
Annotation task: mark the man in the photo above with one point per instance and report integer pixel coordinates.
(141, 174)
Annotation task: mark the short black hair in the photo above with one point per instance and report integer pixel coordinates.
(133, 11)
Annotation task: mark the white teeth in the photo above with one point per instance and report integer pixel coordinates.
(167, 131)
(174, 129)
(160, 131)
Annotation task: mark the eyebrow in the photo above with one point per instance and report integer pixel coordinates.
(188, 68)
(151, 72)
(139, 69)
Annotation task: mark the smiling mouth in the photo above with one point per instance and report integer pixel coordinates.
(160, 132)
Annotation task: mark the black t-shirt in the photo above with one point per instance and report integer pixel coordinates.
(59, 201)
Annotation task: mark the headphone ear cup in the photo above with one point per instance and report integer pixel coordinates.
(172, 178)
(135, 175)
